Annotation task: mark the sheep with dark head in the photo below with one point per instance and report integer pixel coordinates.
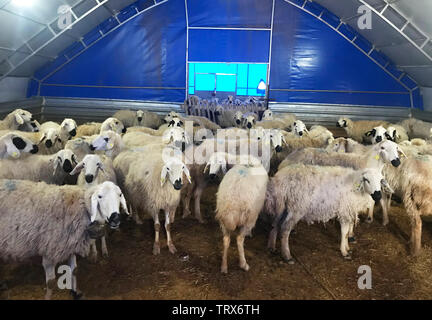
(12, 145)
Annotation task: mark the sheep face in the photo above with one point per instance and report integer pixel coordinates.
(267, 115)
(91, 164)
(377, 134)
(216, 163)
(173, 170)
(342, 123)
(65, 159)
(177, 136)
(249, 122)
(276, 138)
(106, 200)
(69, 126)
(389, 151)
(175, 123)
(78, 144)
(372, 181)
(171, 116)
(299, 128)
(50, 136)
(113, 124)
(338, 145)
(391, 134)
(140, 115)
(15, 145)
(104, 141)
(22, 116)
(238, 118)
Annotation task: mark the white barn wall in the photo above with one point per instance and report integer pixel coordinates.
(427, 98)
(13, 88)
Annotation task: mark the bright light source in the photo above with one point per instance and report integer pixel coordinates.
(22, 3)
(262, 85)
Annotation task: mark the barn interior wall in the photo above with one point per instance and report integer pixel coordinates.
(13, 88)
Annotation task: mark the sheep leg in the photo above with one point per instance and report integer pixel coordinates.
(104, 247)
(370, 214)
(156, 245)
(197, 202)
(416, 229)
(170, 243)
(73, 266)
(240, 247)
(344, 247)
(49, 268)
(135, 216)
(226, 244)
(286, 253)
(351, 237)
(186, 202)
(271, 244)
(383, 203)
(93, 251)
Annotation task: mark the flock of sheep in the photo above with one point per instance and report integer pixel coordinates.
(61, 183)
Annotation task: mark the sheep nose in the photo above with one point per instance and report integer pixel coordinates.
(32, 118)
(178, 184)
(114, 220)
(378, 139)
(139, 119)
(212, 176)
(67, 166)
(249, 125)
(396, 162)
(89, 178)
(92, 148)
(33, 124)
(238, 121)
(300, 133)
(338, 125)
(35, 149)
(278, 149)
(48, 143)
(73, 132)
(124, 130)
(376, 196)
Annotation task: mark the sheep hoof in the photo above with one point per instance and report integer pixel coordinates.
(289, 260)
(224, 270)
(385, 222)
(156, 249)
(76, 295)
(186, 213)
(352, 240)
(172, 248)
(93, 258)
(201, 220)
(245, 267)
(347, 257)
(369, 220)
(105, 255)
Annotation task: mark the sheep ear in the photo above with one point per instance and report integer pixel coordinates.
(57, 162)
(19, 119)
(368, 134)
(386, 187)
(283, 139)
(101, 167)
(77, 168)
(360, 186)
(124, 205)
(94, 207)
(42, 138)
(164, 173)
(224, 168)
(187, 173)
(402, 153)
(206, 167)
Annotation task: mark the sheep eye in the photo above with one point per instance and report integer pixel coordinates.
(100, 197)
(382, 148)
(116, 122)
(106, 139)
(121, 195)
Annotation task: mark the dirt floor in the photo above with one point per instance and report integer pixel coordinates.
(320, 272)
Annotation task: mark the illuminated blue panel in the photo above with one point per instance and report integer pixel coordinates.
(242, 76)
(191, 74)
(226, 83)
(191, 90)
(216, 68)
(205, 82)
(257, 72)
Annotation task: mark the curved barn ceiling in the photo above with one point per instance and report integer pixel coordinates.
(30, 35)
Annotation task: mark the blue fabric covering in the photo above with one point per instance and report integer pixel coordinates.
(145, 59)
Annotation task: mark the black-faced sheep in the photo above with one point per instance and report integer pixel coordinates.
(54, 222)
(12, 145)
(356, 129)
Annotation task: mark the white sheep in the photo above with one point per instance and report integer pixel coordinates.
(318, 194)
(377, 134)
(152, 182)
(80, 147)
(249, 120)
(356, 129)
(55, 223)
(299, 128)
(396, 133)
(143, 118)
(347, 145)
(227, 118)
(417, 128)
(239, 201)
(12, 145)
(51, 169)
(92, 128)
(15, 119)
(177, 136)
(94, 170)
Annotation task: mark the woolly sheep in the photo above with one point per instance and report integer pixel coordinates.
(12, 145)
(396, 133)
(239, 201)
(299, 128)
(227, 118)
(176, 136)
(151, 184)
(417, 128)
(377, 134)
(109, 143)
(143, 118)
(377, 157)
(92, 128)
(94, 170)
(32, 126)
(356, 129)
(51, 169)
(249, 120)
(15, 119)
(54, 222)
(80, 147)
(88, 129)
(347, 145)
(318, 194)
